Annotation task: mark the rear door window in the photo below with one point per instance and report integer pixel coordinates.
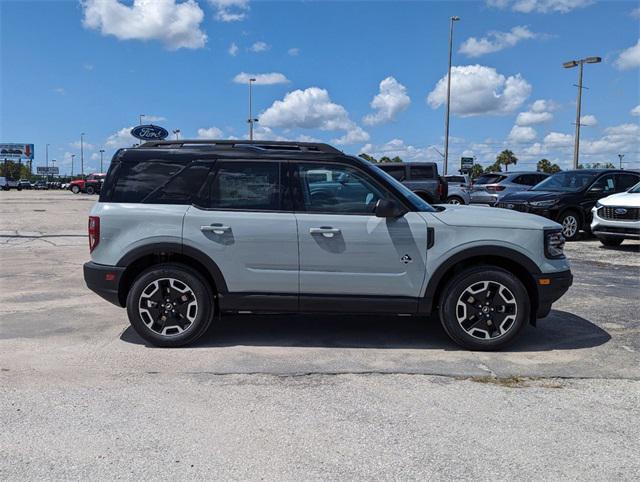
(136, 180)
(625, 181)
(418, 173)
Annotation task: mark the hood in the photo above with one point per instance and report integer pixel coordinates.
(522, 196)
(624, 199)
(479, 216)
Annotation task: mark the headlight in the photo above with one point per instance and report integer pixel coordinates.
(598, 205)
(553, 244)
(544, 204)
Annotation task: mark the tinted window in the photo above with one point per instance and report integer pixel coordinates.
(607, 184)
(489, 179)
(526, 179)
(245, 185)
(570, 181)
(183, 188)
(422, 172)
(349, 191)
(135, 181)
(397, 172)
(454, 179)
(625, 181)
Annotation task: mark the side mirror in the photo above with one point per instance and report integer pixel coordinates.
(387, 208)
(596, 189)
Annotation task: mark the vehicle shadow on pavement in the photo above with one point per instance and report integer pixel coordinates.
(559, 331)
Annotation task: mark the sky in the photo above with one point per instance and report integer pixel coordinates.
(367, 76)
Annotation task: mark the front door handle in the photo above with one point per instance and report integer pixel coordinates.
(326, 231)
(215, 228)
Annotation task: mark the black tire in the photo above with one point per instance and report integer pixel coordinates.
(148, 324)
(478, 335)
(611, 242)
(75, 189)
(455, 200)
(571, 225)
(91, 190)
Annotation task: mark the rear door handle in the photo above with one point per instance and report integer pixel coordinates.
(326, 231)
(215, 228)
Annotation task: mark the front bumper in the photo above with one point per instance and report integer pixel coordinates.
(524, 207)
(104, 280)
(551, 287)
(610, 228)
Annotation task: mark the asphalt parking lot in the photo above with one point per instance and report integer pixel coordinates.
(291, 397)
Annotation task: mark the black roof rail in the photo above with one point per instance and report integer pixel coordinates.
(290, 146)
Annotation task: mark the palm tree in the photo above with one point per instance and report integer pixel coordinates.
(506, 158)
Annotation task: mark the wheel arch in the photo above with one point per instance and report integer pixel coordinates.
(506, 258)
(139, 259)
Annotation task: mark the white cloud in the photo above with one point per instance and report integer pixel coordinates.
(397, 147)
(233, 49)
(540, 6)
(636, 111)
(177, 25)
(88, 67)
(261, 79)
(230, 10)
(153, 118)
(620, 139)
(539, 112)
(629, 58)
(209, 133)
(588, 120)
(59, 91)
(122, 138)
(635, 13)
(522, 135)
(391, 100)
(85, 145)
(260, 47)
(495, 41)
(478, 90)
(312, 108)
(294, 52)
(558, 140)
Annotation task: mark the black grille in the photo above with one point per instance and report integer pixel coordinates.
(514, 206)
(619, 213)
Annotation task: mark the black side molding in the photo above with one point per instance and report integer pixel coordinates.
(431, 237)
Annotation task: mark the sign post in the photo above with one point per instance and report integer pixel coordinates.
(466, 163)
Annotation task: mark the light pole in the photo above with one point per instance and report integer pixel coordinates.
(140, 117)
(620, 156)
(46, 156)
(177, 133)
(53, 165)
(569, 65)
(101, 152)
(72, 156)
(446, 122)
(251, 119)
(82, 154)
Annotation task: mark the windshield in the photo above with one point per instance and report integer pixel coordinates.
(635, 189)
(571, 181)
(419, 203)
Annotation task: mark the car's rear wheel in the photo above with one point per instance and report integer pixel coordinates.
(484, 308)
(454, 200)
(75, 189)
(570, 222)
(91, 190)
(611, 242)
(170, 305)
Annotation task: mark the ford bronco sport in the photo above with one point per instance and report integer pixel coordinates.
(188, 230)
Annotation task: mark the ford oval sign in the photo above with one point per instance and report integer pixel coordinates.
(621, 211)
(149, 133)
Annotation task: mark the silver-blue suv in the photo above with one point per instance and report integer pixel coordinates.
(185, 231)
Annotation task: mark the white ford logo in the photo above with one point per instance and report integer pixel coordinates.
(620, 211)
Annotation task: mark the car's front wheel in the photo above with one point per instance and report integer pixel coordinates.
(170, 305)
(570, 222)
(75, 189)
(484, 308)
(611, 242)
(91, 190)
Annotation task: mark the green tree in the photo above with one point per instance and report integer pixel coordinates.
(14, 170)
(475, 171)
(506, 158)
(495, 167)
(597, 165)
(544, 165)
(367, 157)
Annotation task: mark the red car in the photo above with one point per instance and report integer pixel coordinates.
(91, 184)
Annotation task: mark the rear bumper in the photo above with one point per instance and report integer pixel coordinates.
(104, 280)
(556, 286)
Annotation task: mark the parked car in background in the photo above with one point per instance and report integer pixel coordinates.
(491, 187)
(41, 185)
(92, 184)
(568, 196)
(617, 217)
(6, 184)
(24, 184)
(421, 177)
(459, 189)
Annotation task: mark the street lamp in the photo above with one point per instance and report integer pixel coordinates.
(177, 133)
(101, 152)
(446, 122)
(251, 120)
(569, 65)
(46, 150)
(53, 165)
(141, 116)
(620, 156)
(72, 156)
(82, 154)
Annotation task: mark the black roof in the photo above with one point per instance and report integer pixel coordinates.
(226, 145)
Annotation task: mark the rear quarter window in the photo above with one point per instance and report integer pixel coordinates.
(490, 179)
(422, 172)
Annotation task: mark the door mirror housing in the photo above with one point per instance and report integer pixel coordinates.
(388, 208)
(596, 189)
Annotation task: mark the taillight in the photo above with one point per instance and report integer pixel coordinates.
(495, 188)
(94, 232)
(440, 190)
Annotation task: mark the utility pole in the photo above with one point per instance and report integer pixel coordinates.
(620, 156)
(46, 155)
(53, 164)
(251, 119)
(569, 65)
(140, 117)
(82, 154)
(101, 152)
(72, 156)
(446, 122)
